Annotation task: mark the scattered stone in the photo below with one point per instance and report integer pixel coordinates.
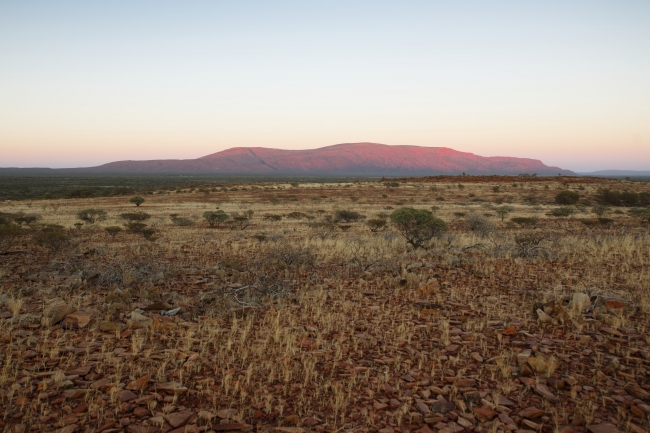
(531, 413)
(484, 413)
(602, 428)
(179, 419)
(226, 413)
(76, 320)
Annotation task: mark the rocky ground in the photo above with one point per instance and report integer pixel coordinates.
(285, 326)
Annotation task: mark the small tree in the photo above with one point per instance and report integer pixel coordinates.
(91, 215)
(9, 236)
(502, 213)
(561, 212)
(113, 230)
(348, 216)
(137, 200)
(417, 226)
(135, 216)
(643, 214)
(214, 218)
(567, 197)
(52, 236)
(376, 224)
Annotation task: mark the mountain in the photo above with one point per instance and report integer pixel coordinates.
(340, 159)
(617, 173)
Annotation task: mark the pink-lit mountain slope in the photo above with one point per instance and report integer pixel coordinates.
(340, 159)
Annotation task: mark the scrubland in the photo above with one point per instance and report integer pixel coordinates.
(296, 313)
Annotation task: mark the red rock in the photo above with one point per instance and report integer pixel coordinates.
(138, 384)
(545, 392)
(464, 383)
(311, 422)
(18, 428)
(232, 426)
(141, 412)
(510, 330)
(226, 413)
(484, 413)
(179, 419)
(133, 428)
(379, 406)
(126, 395)
(79, 371)
(531, 413)
(102, 384)
(68, 429)
(74, 393)
(76, 320)
(614, 305)
(81, 408)
(602, 428)
(422, 407)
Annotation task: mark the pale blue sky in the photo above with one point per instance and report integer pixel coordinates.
(83, 83)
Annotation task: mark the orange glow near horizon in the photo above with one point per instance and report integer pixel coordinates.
(86, 85)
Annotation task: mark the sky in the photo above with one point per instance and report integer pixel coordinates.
(84, 83)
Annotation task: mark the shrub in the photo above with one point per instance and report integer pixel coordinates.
(214, 218)
(567, 197)
(348, 216)
(91, 215)
(9, 236)
(643, 214)
(135, 216)
(525, 221)
(479, 224)
(137, 200)
(417, 226)
(272, 217)
(135, 227)
(182, 222)
(600, 210)
(296, 215)
(52, 236)
(561, 212)
(27, 218)
(620, 198)
(376, 224)
(113, 230)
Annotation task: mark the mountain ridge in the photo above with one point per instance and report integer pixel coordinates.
(340, 159)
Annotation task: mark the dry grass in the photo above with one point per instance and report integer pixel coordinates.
(366, 332)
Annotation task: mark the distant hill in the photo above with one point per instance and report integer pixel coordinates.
(340, 159)
(617, 173)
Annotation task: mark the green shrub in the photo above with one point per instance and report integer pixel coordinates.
(214, 218)
(567, 197)
(525, 221)
(643, 214)
(135, 216)
(52, 236)
(417, 226)
(91, 215)
(183, 222)
(9, 236)
(272, 217)
(561, 212)
(621, 198)
(137, 200)
(113, 230)
(376, 224)
(348, 216)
